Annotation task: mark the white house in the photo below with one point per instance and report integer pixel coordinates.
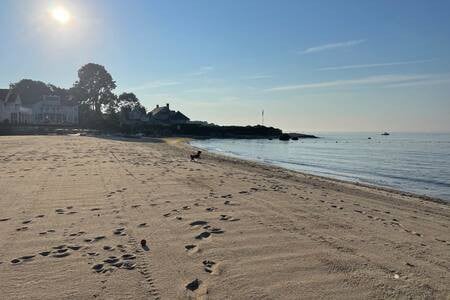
(51, 110)
(12, 110)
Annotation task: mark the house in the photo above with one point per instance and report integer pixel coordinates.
(46, 109)
(163, 114)
(134, 115)
(11, 109)
(54, 110)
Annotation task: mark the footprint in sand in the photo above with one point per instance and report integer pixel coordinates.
(74, 247)
(228, 218)
(24, 258)
(203, 235)
(210, 266)
(27, 257)
(61, 253)
(193, 285)
(191, 248)
(216, 231)
(119, 231)
(108, 248)
(198, 223)
(98, 268)
(228, 202)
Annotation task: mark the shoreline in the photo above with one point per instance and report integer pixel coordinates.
(337, 180)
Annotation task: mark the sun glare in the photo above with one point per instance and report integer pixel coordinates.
(61, 15)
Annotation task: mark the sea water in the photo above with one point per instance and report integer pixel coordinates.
(411, 162)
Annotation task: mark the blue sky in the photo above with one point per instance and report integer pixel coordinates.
(311, 65)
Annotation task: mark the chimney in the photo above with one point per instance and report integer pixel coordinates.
(167, 105)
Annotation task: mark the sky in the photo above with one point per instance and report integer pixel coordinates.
(310, 65)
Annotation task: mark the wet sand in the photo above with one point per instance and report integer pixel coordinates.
(73, 212)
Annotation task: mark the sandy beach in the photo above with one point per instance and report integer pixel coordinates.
(73, 212)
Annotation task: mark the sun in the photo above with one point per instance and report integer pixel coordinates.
(60, 15)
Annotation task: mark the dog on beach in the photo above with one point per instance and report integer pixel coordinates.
(196, 156)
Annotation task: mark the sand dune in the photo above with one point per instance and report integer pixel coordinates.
(73, 212)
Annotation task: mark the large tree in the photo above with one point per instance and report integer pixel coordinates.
(30, 90)
(95, 87)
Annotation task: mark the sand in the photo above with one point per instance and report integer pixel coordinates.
(73, 212)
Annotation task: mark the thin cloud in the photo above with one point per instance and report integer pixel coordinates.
(421, 83)
(258, 76)
(202, 71)
(326, 47)
(372, 80)
(153, 85)
(363, 66)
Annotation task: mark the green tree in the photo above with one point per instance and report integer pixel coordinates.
(95, 87)
(30, 90)
(57, 91)
(128, 100)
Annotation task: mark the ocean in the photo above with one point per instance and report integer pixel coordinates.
(411, 162)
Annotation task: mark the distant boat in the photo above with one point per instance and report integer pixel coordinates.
(385, 133)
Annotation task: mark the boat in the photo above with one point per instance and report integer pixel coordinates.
(385, 133)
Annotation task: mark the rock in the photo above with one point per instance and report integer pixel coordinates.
(284, 137)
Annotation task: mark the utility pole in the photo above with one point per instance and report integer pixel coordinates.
(262, 117)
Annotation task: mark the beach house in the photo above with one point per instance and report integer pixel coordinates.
(40, 110)
(163, 114)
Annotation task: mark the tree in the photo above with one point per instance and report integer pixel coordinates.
(57, 91)
(94, 87)
(30, 90)
(128, 100)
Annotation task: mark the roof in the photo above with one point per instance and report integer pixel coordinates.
(3, 94)
(160, 110)
(11, 97)
(179, 116)
(164, 114)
